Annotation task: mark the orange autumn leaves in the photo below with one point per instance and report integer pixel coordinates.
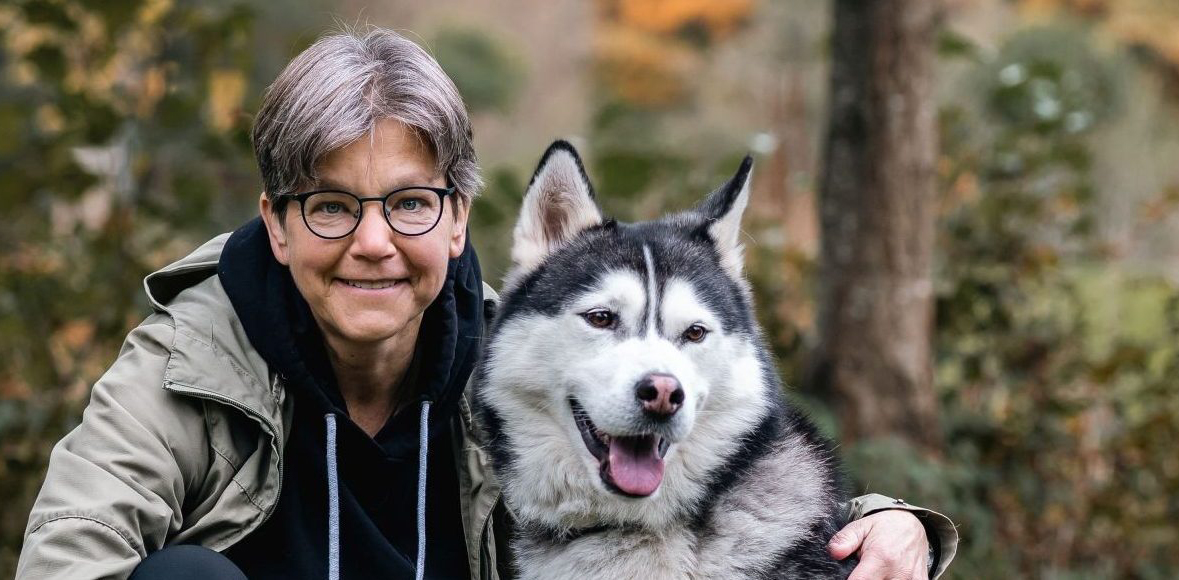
(645, 51)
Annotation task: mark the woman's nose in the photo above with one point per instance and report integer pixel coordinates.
(373, 237)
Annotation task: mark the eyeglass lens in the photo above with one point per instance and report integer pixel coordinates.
(332, 214)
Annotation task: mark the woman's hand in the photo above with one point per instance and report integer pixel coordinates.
(891, 545)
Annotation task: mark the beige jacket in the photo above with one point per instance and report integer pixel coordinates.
(182, 443)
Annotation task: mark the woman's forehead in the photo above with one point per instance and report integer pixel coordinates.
(392, 155)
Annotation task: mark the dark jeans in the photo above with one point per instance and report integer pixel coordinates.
(187, 563)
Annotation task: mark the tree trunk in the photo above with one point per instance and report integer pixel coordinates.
(877, 222)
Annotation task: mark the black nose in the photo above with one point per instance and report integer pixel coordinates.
(660, 394)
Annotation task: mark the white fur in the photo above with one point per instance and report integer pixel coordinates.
(649, 263)
(537, 362)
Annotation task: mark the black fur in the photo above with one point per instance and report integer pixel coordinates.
(563, 145)
(719, 202)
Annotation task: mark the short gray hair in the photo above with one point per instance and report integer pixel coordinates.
(336, 90)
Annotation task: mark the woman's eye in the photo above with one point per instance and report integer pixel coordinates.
(332, 207)
(600, 318)
(409, 204)
(695, 333)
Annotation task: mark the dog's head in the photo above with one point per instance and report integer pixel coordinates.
(623, 367)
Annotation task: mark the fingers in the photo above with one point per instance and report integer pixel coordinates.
(871, 569)
(878, 565)
(849, 539)
(920, 568)
(891, 546)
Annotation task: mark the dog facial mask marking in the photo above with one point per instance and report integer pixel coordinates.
(558, 205)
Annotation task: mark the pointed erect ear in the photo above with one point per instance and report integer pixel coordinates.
(558, 205)
(723, 209)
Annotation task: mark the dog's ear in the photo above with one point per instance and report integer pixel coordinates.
(558, 205)
(722, 210)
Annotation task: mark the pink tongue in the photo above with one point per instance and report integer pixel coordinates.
(635, 465)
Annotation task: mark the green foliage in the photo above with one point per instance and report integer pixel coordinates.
(1049, 80)
(482, 68)
(1056, 369)
(125, 144)
(492, 217)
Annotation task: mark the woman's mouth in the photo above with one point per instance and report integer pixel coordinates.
(381, 284)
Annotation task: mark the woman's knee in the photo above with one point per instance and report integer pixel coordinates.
(186, 562)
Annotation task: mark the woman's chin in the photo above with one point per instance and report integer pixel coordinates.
(368, 322)
(373, 328)
(376, 333)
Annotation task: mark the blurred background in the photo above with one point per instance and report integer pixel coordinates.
(963, 238)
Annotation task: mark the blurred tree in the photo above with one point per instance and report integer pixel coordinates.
(125, 144)
(1055, 365)
(877, 200)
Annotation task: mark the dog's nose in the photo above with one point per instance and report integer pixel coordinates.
(660, 394)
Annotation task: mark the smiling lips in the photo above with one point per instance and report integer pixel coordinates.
(370, 284)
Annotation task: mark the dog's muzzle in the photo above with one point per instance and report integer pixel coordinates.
(630, 465)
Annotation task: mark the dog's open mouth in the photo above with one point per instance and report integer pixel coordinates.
(630, 465)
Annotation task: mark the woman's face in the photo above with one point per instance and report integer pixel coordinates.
(373, 285)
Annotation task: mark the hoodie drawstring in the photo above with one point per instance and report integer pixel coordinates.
(422, 448)
(334, 495)
(333, 501)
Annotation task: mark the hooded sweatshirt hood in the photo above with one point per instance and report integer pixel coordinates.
(378, 485)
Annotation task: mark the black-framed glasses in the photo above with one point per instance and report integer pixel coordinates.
(333, 214)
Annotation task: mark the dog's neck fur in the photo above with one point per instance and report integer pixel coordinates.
(749, 527)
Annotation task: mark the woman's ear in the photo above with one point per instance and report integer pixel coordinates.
(458, 228)
(275, 229)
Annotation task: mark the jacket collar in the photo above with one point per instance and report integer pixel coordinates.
(210, 355)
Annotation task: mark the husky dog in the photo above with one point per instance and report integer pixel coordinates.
(632, 412)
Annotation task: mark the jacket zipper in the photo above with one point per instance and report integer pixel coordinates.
(489, 572)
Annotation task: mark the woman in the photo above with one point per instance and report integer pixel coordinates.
(280, 411)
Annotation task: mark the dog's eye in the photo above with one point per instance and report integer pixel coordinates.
(695, 333)
(600, 318)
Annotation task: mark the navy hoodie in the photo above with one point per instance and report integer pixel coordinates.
(377, 476)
